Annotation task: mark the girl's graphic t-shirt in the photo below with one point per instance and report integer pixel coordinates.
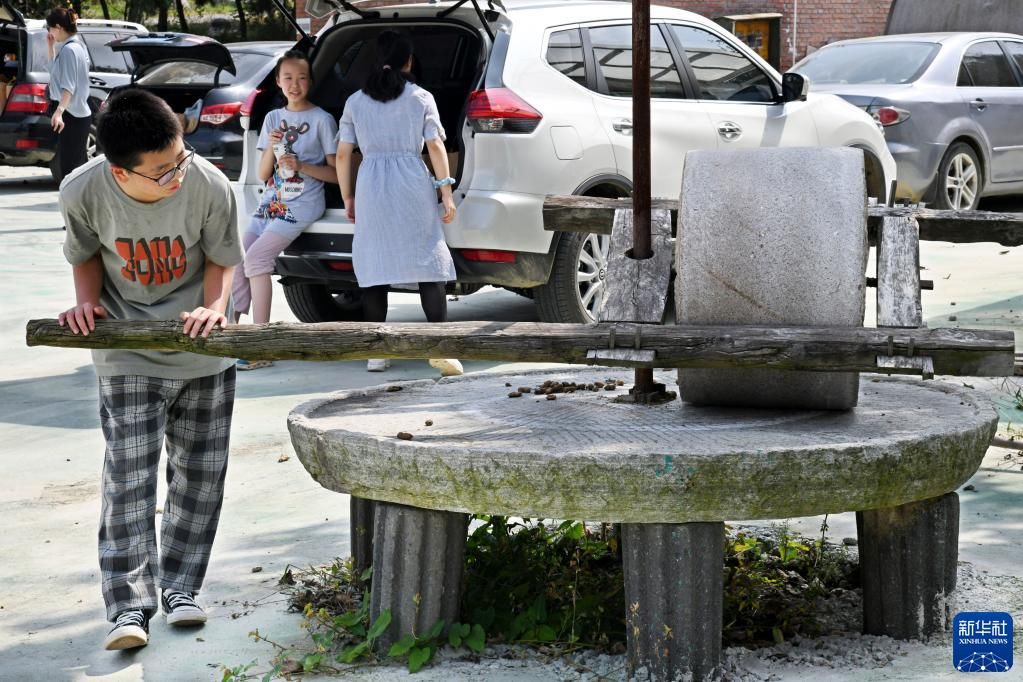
(309, 135)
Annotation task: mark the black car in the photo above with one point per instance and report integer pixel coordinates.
(210, 88)
(26, 138)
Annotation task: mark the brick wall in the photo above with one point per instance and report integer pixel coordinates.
(818, 22)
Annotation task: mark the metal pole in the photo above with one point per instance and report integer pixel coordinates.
(644, 378)
(641, 129)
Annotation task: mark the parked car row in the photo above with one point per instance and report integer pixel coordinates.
(951, 105)
(537, 101)
(26, 138)
(534, 102)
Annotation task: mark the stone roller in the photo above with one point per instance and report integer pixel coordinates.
(772, 237)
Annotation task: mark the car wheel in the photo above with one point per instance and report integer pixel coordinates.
(959, 179)
(577, 285)
(91, 145)
(315, 303)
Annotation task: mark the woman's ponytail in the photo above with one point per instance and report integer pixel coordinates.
(387, 80)
(67, 19)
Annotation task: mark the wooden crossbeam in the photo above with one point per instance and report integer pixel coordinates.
(954, 351)
(596, 214)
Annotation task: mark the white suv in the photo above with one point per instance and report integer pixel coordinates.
(536, 99)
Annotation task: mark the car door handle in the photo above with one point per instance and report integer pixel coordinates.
(979, 104)
(99, 82)
(729, 130)
(622, 125)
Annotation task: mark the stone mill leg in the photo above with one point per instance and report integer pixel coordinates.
(418, 556)
(362, 534)
(673, 598)
(908, 560)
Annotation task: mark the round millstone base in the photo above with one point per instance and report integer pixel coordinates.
(585, 456)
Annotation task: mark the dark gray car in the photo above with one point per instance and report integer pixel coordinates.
(951, 105)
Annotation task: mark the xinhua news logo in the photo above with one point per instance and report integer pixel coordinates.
(982, 642)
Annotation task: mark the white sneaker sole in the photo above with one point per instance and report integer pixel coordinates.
(183, 616)
(447, 367)
(127, 637)
(377, 365)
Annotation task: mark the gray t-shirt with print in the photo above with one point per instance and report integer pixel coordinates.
(309, 135)
(154, 256)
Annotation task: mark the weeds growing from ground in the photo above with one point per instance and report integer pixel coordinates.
(557, 587)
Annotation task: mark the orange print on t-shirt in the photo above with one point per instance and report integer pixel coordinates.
(154, 262)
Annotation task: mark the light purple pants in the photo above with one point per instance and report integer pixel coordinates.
(260, 253)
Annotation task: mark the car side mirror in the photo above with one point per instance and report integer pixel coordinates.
(794, 87)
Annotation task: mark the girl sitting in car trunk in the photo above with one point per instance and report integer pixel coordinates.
(297, 145)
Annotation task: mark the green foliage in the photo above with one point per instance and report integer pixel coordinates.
(558, 587)
(539, 583)
(772, 585)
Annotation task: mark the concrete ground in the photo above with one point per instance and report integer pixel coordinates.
(51, 613)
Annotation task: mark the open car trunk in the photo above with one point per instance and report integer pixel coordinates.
(177, 67)
(449, 62)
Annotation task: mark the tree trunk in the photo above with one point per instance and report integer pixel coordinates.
(161, 20)
(105, 8)
(182, 21)
(961, 352)
(243, 28)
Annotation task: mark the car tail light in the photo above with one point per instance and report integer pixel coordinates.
(342, 265)
(499, 110)
(246, 109)
(26, 144)
(888, 116)
(250, 101)
(489, 256)
(28, 98)
(217, 114)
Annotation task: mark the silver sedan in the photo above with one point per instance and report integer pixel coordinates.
(951, 106)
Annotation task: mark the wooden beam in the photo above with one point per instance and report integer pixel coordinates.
(855, 349)
(595, 214)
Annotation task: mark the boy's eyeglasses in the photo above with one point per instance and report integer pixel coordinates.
(173, 172)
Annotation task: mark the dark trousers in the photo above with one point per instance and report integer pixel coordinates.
(71, 143)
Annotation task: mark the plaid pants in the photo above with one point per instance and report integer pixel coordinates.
(138, 414)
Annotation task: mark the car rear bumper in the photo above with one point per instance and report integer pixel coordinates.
(28, 142)
(221, 147)
(917, 167)
(324, 257)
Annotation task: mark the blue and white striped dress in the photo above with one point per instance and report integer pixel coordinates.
(399, 237)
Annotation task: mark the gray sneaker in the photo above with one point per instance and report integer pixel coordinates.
(181, 608)
(130, 631)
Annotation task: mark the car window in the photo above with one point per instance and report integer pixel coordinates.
(1016, 52)
(248, 64)
(723, 72)
(104, 59)
(565, 53)
(868, 63)
(38, 56)
(986, 66)
(612, 53)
